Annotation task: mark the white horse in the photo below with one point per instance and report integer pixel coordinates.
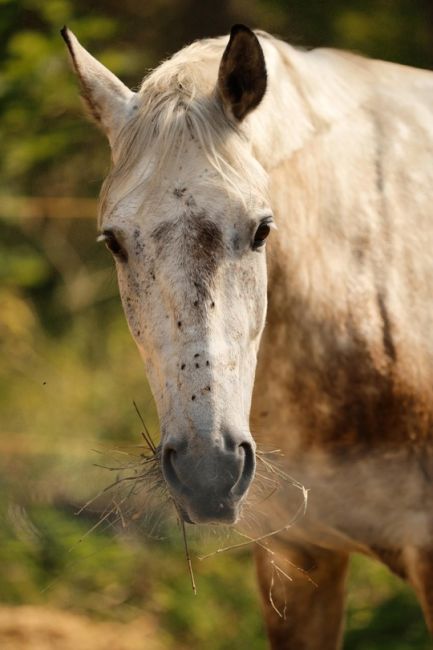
(221, 142)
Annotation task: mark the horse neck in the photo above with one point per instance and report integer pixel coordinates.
(296, 135)
(307, 93)
(279, 131)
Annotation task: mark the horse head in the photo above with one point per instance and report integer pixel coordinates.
(184, 212)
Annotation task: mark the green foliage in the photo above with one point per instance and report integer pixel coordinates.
(49, 558)
(383, 613)
(43, 137)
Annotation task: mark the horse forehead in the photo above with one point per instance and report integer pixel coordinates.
(196, 236)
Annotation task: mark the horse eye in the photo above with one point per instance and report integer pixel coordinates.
(113, 245)
(261, 233)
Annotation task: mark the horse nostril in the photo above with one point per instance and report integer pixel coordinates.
(168, 468)
(247, 471)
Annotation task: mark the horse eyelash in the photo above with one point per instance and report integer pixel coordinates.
(269, 221)
(109, 238)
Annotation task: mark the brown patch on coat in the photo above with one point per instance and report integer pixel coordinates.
(200, 243)
(204, 243)
(335, 393)
(388, 343)
(162, 234)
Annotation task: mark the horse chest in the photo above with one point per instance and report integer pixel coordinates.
(346, 434)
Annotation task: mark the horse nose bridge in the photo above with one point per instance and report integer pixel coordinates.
(204, 335)
(200, 374)
(201, 352)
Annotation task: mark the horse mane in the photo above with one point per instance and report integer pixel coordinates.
(176, 103)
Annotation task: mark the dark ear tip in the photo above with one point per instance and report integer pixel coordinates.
(65, 34)
(238, 28)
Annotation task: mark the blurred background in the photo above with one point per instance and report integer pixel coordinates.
(69, 370)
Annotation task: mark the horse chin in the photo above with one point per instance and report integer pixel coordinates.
(224, 515)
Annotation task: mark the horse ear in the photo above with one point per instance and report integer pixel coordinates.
(106, 97)
(242, 72)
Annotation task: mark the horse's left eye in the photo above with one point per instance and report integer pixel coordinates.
(261, 233)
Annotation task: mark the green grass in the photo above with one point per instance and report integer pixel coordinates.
(383, 613)
(115, 575)
(111, 575)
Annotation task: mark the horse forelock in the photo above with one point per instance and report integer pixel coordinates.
(178, 104)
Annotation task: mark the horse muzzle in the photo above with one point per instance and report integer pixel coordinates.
(209, 478)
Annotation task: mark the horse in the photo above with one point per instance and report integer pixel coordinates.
(269, 217)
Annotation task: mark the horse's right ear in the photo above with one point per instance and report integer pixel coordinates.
(107, 98)
(242, 73)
